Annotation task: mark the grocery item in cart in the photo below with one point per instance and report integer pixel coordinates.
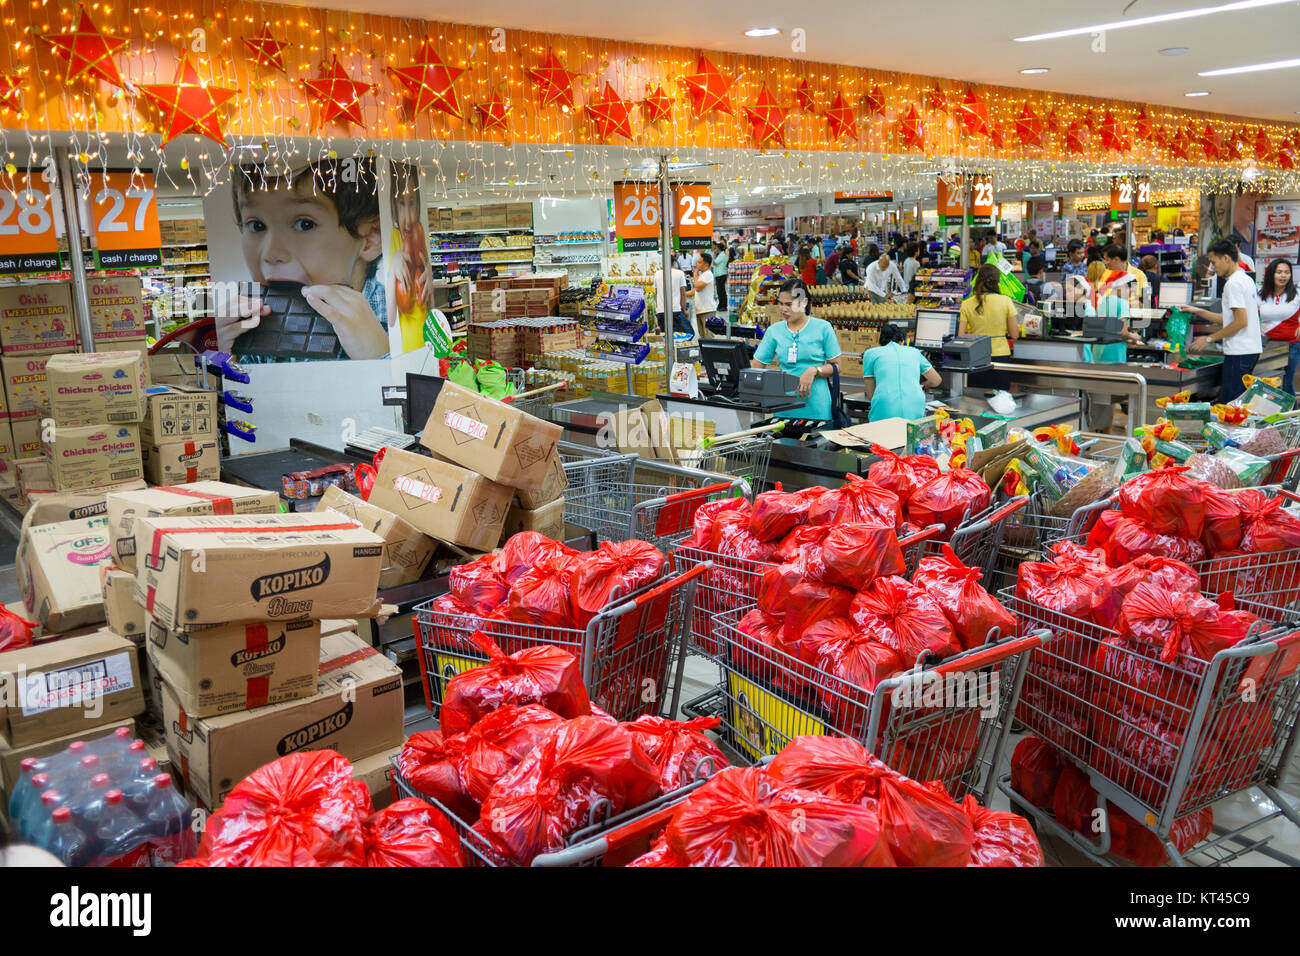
(1001, 839)
(776, 513)
(679, 748)
(15, 631)
(923, 825)
(1123, 538)
(1035, 768)
(972, 611)
(1213, 471)
(947, 499)
(731, 537)
(526, 550)
(1115, 586)
(707, 514)
(857, 500)
(856, 554)
(1066, 586)
(800, 538)
(905, 617)
(1223, 520)
(1167, 500)
(809, 602)
(478, 584)
(1180, 623)
(901, 474)
(613, 568)
(410, 832)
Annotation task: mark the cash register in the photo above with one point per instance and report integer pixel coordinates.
(768, 387)
(967, 353)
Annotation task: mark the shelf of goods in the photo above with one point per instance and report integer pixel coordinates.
(482, 247)
(452, 299)
(619, 317)
(1174, 260)
(942, 288)
(585, 375)
(763, 288)
(739, 275)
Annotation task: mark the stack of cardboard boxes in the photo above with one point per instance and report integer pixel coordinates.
(179, 437)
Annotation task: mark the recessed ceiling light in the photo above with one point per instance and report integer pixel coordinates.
(763, 32)
(1198, 93)
(1036, 69)
(1158, 18)
(1173, 51)
(1252, 68)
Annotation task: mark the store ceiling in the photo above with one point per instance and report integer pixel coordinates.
(971, 41)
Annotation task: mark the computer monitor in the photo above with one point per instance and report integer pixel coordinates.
(421, 394)
(933, 326)
(723, 360)
(1174, 293)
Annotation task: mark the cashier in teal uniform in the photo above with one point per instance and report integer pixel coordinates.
(892, 374)
(804, 345)
(1101, 406)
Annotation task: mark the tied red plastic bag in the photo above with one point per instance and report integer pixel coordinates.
(1166, 500)
(552, 792)
(856, 501)
(776, 513)
(623, 565)
(430, 763)
(543, 674)
(731, 537)
(1131, 538)
(902, 616)
(301, 810)
(759, 650)
(775, 585)
(1223, 519)
(478, 585)
(541, 594)
(922, 824)
(949, 499)
(1115, 585)
(1035, 768)
(971, 610)
(494, 745)
(901, 475)
(1001, 839)
(1064, 551)
(679, 748)
(743, 818)
(835, 767)
(1268, 526)
(526, 550)
(1180, 623)
(411, 833)
(840, 648)
(1067, 587)
(661, 854)
(15, 631)
(809, 602)
(799, 539)
(856, 554)
(706, 514)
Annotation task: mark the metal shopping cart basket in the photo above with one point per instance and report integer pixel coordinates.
(1160, 740)
(945, 721)
(744, 454)
(535, 400)
(631, 654)
(978, 537)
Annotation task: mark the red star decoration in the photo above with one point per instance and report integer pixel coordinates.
(611, 114)
(338, 94)
(493, 115)
(1110, 135)
(554, 81)
(842, 119)
(1090, 120)
(11, 93)
(936, 100)
(974, 114)
(998, 137)
(188, 104)
(874, 101)
(429, 81)
(1263, 147)
(804, 96)
(912, 129)
(657, 106)
(709, 89)
(767, 119)
(1237, 144)
(1212, 142)
(1180, 144)
(1286, 159)
(267, 50)
(1053, 122)
(88, 51)
(1029, 127)
(1143, 128)
(1076, 139)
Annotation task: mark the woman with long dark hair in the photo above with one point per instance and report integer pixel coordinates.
(803, 345)
(1279, 314)
(989, 312)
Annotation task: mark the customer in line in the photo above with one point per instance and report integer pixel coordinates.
(706, 295)
(832, 264)
(849, 274)
(806, 266)
(720, 261)
(882, 279)
(1279, 314)
(680, 322)
(911, 263)
(1125, 276)
(1240, 335)
(1074, 264)
(803, 345)
(1150, 267)
(989, 312)
(892, 376)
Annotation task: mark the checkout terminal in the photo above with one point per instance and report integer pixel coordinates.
(957, 355)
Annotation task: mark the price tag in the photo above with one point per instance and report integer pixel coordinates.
(692, 215)
(636, 215)
(28, 241)
(124, 213)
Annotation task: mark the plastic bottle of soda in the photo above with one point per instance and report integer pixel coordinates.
(25, 817)
(138, 789)
(40, 836)
(110, 743)
(171, 837)
(68, 841)
(27, 768)
(90, 803)
(123, 764)
(123, 837)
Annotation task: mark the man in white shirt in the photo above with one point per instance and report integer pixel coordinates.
(881, 278)
(911, 263)
(680, 322)
(1240, 334)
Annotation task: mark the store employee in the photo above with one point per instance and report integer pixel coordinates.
(803, 345)
(892, 374)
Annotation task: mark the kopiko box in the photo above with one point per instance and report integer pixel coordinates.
(116, 309)
(37, 319)
(68, 686)
(96, 387)
(356, 710)
(406, 550)
(174, 412)
(58, 572)
(221, 569)
(45, 507)
(124, 615)
(179, 462)
(497, 440)
(235, 667)
(200, 498)
(443, 500)
(87, 456)
(547, 520)
(24, 384)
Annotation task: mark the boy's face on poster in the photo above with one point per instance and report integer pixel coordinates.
(290, 234)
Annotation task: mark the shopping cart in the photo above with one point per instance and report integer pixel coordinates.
(535, 401)
(978, 537)
(1160, 740)
(945, 721)
(631, 654)
(743, 454)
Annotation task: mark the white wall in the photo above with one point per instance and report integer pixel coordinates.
(566, 215)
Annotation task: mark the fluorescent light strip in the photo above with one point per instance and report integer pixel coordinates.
(1253, 68)
(1158, 18)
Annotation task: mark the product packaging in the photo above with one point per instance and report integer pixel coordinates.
(182, 462)
(37, 319)
(406, 550)
(58, 572)
(552, 486)
(175, 412)
(89, 456)
(443, 500)
(124, 615)
(48, 506)
(116, 311)
(547, 520)
(24, 384)
(96, 387)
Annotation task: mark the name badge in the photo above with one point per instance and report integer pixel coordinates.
(792, 355)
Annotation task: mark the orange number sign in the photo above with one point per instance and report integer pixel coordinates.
(28, 242)
(636, 215)
(1121, 194)
(692, 215)
(124, 213)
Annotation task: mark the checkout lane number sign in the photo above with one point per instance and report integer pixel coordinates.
(28, 241)
(636, 215)
(692, 216)
(124, 211)
(1122, 194)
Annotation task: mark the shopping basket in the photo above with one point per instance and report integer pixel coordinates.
(631, 654)
(1158, 739)
(945, 721)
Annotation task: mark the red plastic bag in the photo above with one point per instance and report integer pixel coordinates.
(1066, 587)
(809, 602)
(625, 565)
(1166, 500)
(971, 610)
(774, 587)
(1115, 585)
(776, 513)
(948, 499)
(15, 631)
(679, 749)
(551, 792)
(742, 818)
(1139, 845)
(411, 833)
(494, 745)
(1101, 531)
(798, 539)
(478, 585)
(901, 475)
(836, 767)
(541, 594)
(731, 537)
(430, 763)
(706, 514)
(838, 647)
(543, 674)
(901, 615)
(1001, 839)
(1035, 767)
(303, 809)
(856, 501)
(526, 550)
(1132, 673)
(661, 854)
(1180, 623)
(1065, 551)
(923, 825)
(1223, 521)
(857, 554)
(1130, 538)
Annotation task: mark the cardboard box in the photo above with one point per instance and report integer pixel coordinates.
(356, 710)
(443, 500)
(58, 572)
(26, 437)
(490, 437)
(547, 520)
(34, 476)
(176, 412)
(553, 484)
(45, 507)
(199, 498)
(850, 366)
(37, 319)
(123, 614)
(95, 388)
(24, 384)
(9, 490)
(116, 310)
(179, 462)
(236, 667)
(376, 772)
(406, 550)
(465, 217)
(220, 569)
(153, 692)
(68, 686)
(519, 215)
(12, 757)
(88, 456)
(171, 368)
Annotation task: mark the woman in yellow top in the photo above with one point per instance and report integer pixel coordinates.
(989, 312)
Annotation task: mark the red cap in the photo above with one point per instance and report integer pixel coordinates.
(77, 746)
(40, 779)
(90, 761)
(49, 796)
(122, 733)
(99, 781)
(136, 745)
(113, 797)
(148, 764)
(162, 781)
(61, 815)
(28, 764)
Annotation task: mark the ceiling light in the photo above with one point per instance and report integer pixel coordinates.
(1174, 51)
(1253, 68)
(1158, 18)
(1036, 69)
(1037, 195)
(1198, 93)
(763, 32)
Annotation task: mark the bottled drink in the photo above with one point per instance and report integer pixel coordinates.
(110, 743)
(123, 837)
(22, 789)
(40, 836)
(171, 837)
(24, 818)
(139, 787)
(68, 841)
(92, 803)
